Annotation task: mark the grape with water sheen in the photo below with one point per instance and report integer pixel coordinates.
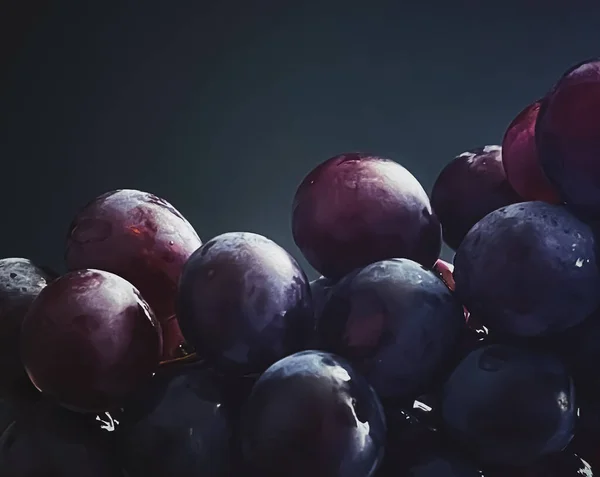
(468, 188)
(509, 406)
(141, 238)
(177, 425)
(568, 137)
(21, 281)
(89, 340)
(355, 209)
(521, 160)
(311, 414)
(396, 322)
(244, 303)
(528, 269)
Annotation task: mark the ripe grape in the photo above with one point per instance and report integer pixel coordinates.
(244, 303)
(521, 160)
(20, 283)
(89, 339)
(176, 425)
(311, 414)
(396, 322)
(509, 406)
(50, 441)
(568, 137)
(528, 269)
(356, 209)
(139, 237)
(468, 188)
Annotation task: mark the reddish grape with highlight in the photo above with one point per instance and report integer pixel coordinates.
(89, 339)
(355, 209)
(139, 237)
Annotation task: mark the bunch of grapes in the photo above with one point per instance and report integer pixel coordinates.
(157, 355)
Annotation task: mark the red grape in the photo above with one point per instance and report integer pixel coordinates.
(89, 339)
(521, 161)
(470, 187)
(528, 269)
(568, 137)
(139, 237)
(244, 303)
(444, 270)
(20, 283)
(356, 209)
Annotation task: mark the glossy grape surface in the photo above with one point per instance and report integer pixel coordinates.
(521, 159)
(509, 406)
(139, 237)
(396, 322)
(244, 303)
(89, 340)
(528, 269)
(311, 414)
(355, 209)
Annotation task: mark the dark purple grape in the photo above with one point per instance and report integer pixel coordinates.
(311, 414)
(20, 283)
(396, 322)
(509, 406)
(470, 187)
(7, 415)
(89, 340)
(320, 289)
(52, 442)
(568, 137)
(443, 464)
(244, 303)
(176, 426)
(521, 160)
(528, 269)
(355, 209)
(141, 238)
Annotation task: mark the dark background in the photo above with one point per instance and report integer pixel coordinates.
(222, 107)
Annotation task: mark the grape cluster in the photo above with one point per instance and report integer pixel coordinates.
(157, 355)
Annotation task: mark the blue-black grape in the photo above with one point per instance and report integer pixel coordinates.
(355, 209)
(509, 406)
(89, 340)
(244, 303)
(319, 290)
(311, 414)
(177, 425)
(528, 269)
(396, 322)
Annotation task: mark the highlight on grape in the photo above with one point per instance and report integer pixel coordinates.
(159, 355)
